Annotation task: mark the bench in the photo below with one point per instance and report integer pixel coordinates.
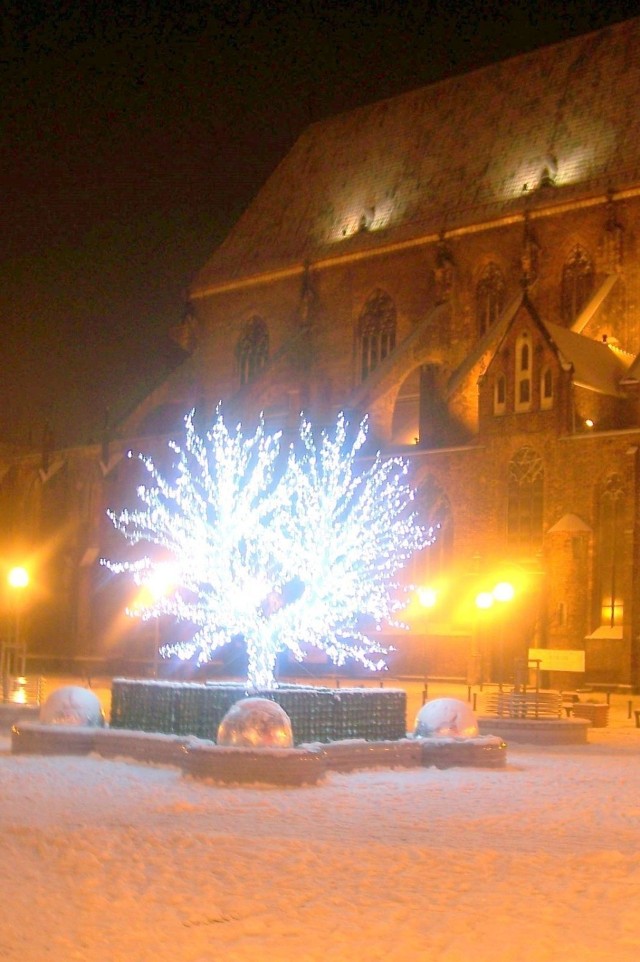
(524, 704)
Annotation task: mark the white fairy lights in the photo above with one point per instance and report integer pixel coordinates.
(286, 552)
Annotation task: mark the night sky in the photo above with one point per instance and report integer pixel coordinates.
(133, 135)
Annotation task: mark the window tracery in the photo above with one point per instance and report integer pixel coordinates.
(434, 510)
(377, 329)
(577, 283)
(489, 297)
(252, 350)
(525, 498)
(609, 550)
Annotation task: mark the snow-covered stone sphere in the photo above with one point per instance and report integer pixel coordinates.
(256, 723)
(72, 705)
(446, 717)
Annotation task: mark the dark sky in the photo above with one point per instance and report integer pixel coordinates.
(132, 136)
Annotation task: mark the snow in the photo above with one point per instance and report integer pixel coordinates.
(106, 861)
(72, 705)
(446, 716)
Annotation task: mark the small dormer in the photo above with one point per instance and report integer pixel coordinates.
(544, 371)
(523, 376)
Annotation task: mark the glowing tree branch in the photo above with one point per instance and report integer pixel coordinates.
(284, 554)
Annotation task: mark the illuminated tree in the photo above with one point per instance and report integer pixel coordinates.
(285, 551)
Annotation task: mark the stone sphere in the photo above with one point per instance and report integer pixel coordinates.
(72, 705)
(256, 723)
(446, 717)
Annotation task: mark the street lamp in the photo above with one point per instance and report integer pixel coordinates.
(484, 600)
(14, 656)
(503, 593)
(18, 577)
(160, 583)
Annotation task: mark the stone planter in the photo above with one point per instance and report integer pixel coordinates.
(596, 713)
(317, 714)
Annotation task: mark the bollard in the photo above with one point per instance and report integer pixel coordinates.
(468, 692)
(475, 699)
(629, 709)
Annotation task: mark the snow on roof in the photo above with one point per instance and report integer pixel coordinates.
(571, 523)
(633, 374)
(596, 365)
(462, 151)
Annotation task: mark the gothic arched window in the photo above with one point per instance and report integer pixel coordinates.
(524, 499)
(500, 395)
(523, 372)
(377, 330)
(489, 297)
(252, 350)
(577, 283)
(610, 551)
(434, 510)
(546, 388)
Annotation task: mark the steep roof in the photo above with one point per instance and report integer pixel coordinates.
(633, 374)
(596, 365)
(459, 152)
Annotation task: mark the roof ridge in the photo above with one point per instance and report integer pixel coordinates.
(579, 38)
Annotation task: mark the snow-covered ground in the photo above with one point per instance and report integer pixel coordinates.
(107, 861)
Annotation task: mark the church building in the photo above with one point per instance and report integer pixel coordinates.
(461, 265)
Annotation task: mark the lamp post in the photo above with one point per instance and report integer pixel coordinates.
(502, 593)
(484, 601)
(14, 655)
(160, 584)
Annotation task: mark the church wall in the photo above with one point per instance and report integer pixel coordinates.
(221, 321)
(409, 277)
(559, 603)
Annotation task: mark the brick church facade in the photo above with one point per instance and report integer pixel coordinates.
(461, 264)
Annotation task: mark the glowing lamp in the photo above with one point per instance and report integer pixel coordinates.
(504, 591)
(484, 600)
(18, 577)
(161, 581)
(427, 597)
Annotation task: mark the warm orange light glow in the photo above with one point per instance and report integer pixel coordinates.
(428, 597)
(162, 581)
(504, 591)
(19, 694)
(484, 600)
(18, 577)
